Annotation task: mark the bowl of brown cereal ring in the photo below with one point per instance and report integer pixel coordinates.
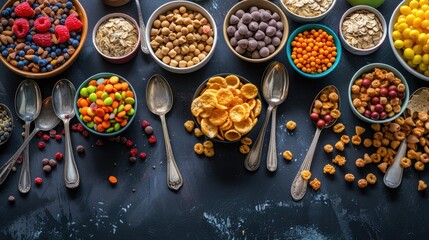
(378, 93)
(255, 31)
(226, 107)
(116, 37)
(307, 10)
(35, 47)
(182, 36)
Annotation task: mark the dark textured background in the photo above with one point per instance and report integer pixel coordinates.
(219, 198)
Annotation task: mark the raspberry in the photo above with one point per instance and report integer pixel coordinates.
(143, 155)
(38, 180)
(129, 143)
(58, 137)
(133, 152)
(46, 137)
(59, 156)
(24, 10)
(145, 124)
(21, 27)
(42, 24)
(39, 134)
(62, 33)
(41, 145)
(85, 133)
(152, 139)
(75, 127)
(73, 23)
(43, 39)
(80, 127)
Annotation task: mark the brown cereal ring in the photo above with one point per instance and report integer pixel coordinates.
(244, 149)
(198, 148)
(345, 139)
(315, 184)
(189, 125)
(246, 141)
(356, 140)
(209, 152)
(422, 185)
(349, 177)
(376, 127)
(287, 155)
(405, 162)
(338, 128)
(328, 148)
(375, 158)
(362, 183)
(371, 178)
(208, 144)
(291, 125)
(367, 142)
(419, 166)
(306, 174)
(424, 158)
(360, 163)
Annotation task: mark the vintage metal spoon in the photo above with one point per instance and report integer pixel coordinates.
(299, 185)
(63, 95)
(419, 102)
(159, 99)
(28, 103)
(46, 121)
(143, 43)
(275, 85)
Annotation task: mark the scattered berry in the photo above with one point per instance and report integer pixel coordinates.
(133, 152)
(47, 168)
(99, 142)
(129, 143)
(19, 160)
(85, 133)
(62, 33)
(124, 140)
(39, 134)
(45, 161)
(46, 137)
(75, 127)
(52, 133)
(113, 180)
(43, 39)
(58, 137)
(52, 162)
(11, 199)
(80, 127)
(152, 139)
(59, 156)
(148, 130)
(41, 145)
(21, 27)
(132, 159)
(73, 23)
(80, 149)
(38, 180)
(24, 10)
(143, 155)
(42, 24)
(145, 124)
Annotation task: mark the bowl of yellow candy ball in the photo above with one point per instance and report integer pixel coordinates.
(409, 36)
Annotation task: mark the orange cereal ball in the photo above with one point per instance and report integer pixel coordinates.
(362, 183)
(349, 177)
(422, 185)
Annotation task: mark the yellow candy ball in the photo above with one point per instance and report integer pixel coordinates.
(414, 34)
(422, 38)
(417, 59)
(423, 2)
(413, 4)
(426, 73)
(411, 64)
(396, 35)
(408, 43)
(398, 44)
(402, 27)
(425, 24)
(408, 53)
(409, 19)
(423, 67)
(420, 14)
(417, 22)
(425, 59)
(406, 33)
(418, 49)
(405, 10)
(426, 48)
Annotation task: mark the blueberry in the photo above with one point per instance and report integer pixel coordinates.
(62, 21)
(75, 43)
(54, 8)
(2, 48)
(1, 29)
(62, 45)
(53, 55)
(35, 5)
(34, 47)
(35, 59)
(26, 62)
(5, 53)
(66, 56)
(58, 51)
(20, 64)
(65, 50)
(41, 62)
(13, 15)
(22, 53)
(17, 58)
(43, 69)
(59, 4)
(69, 4)
(51, 30)
(48, 49)
(69, 42)
(4, 22)
(5, 13)
(73, 34)
(78, 37)
(49, 67)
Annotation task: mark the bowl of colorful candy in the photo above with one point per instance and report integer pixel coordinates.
(105, 104)
(313, 50)
(41, 41)
(378, 93)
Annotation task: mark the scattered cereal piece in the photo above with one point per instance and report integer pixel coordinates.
(328, 148)
(208, 144)
(371, 178)
(11, 199)
(189, 125)
(328, 168)
(199, 148)
(291, 125)
(338, 128)
(197, 132)
(359, 130)
(132, 159)
(246, 141)
(287, 155)
(405, 162)
(360, 163)
(80, 149)
(362, 183)
(306, 174)
(422, 185)
(244, 149)
(419, 166)
(52, 162)
(345, 139)
(349, 177)
(113, 180)
(382, 167)
(339, 146)
(376, 127)
(340, 160)
(209, 152)
(315, 184)
(356, 140)
(375, 158)
(367, 142)
(47, 168)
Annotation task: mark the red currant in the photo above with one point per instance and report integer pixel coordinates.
(41, 145)
(152, 139)
(59, 156)
(38, 180)
(143, 155)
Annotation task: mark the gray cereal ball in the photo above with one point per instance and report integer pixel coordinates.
(233, 20)
(263, 26)
(259, 35)
(271, 48)
(249, 34)
(47, 168)
(264, 52)
(45, 161)
(253, 26)
(239, 24)
(238, 36)
(243, 30)
(243, 43)
(253, 9)
(275, 16)
(230, 31)
(279, 25)
(255, 55)
(267, 40)
(246, 18)
(253, 44)
(270, 31)
(275, 41)
(279, 34)
(256, 16)
(240, 50)
(52, 162)
(265, 16)
(261, 44)
(272, 23)
(233, 41)
(239, 13)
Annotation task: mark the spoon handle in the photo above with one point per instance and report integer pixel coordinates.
(174, 178)
(393, 176)
(272, 150)
(299, 185)
(5, 169)
(253, 158)
(24, 182)
(143, 44)
(71, 174)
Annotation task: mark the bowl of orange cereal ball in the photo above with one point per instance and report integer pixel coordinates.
(378, 93)
(313, 50)
(408, 36)
(226, 107)
(181, 36)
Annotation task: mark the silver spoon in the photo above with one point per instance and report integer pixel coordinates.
(275, 87)
(299, 185)
(47, 120)
(63, 95)
(143, 43)
(417, 103)
(28, 103)
(159, 99)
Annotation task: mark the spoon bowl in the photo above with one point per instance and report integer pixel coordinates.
(28, 103)
(63, 95)
(159, 99)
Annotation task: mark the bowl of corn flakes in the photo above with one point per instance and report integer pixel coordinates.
(226, 107)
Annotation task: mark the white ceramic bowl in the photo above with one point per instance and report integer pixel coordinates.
(361, 51)
(169, 6)
(398, 53)
(298, 18)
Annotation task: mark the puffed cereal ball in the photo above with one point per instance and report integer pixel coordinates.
(328, 148)
(291, 125)
(422, 185)
(419, 166)
(360, 163)
(189, 125)
(362, 183)
(339, 146)
(371, 178)
(349, 177)
(338, 128)
(306, 174)
(244, 149)
(287, 155)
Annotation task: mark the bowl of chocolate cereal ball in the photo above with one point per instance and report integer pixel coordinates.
(304, 11)
(226, 107)
(362, 30)
(255, 31)
(181, 36)
(41, 41)
(116, 37)
(313, 50)
(6, 123)
(378, 93)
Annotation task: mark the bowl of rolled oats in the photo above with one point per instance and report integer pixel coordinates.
(307, 10)
(181, 36)
(378, 93)
(362, 30)
(116, 37)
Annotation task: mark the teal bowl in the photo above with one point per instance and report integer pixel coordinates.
(87, 126)
(370, 68)
(308, 27)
